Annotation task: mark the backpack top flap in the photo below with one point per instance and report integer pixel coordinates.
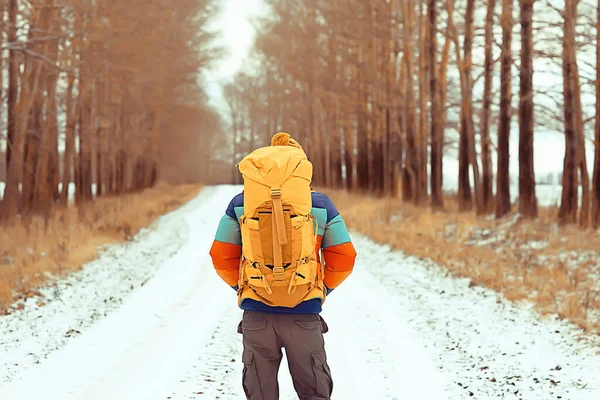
(277, 167)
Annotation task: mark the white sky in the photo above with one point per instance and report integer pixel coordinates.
(237, 36)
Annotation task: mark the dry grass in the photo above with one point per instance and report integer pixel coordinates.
(32, 252)
(557, 268)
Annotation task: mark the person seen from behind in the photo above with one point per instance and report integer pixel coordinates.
(284, 248)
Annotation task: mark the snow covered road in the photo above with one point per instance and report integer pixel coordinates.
(413, 334)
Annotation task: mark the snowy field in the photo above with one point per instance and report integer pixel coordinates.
(151, 320)
(547, 195)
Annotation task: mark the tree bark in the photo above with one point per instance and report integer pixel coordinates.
(527, 199)
(503, 174)
(68, 156)
(349, 158)
(2, 30)
(596, 176)
(31, 79)
(468, 102)
(46, 187)
(362, 115)
(52, 117)
(412, 154)
(465, 197)
(569, 200)
(486, 157)
(437, 196)
(424, 83)
(444, 83)
(36, 137)
(584, 215)
(13, 72)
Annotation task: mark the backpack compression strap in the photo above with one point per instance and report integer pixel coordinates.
(279, 234)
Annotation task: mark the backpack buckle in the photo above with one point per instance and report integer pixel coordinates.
(275, 193)
(278, 271)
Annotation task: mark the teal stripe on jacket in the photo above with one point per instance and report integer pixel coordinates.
(337, 233)
(229, 231)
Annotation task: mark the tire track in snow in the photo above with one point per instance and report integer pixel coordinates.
(372, 351)
(216, 370)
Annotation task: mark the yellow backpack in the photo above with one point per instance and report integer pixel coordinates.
(279, 235)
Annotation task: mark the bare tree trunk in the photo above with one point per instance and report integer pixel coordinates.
(336, 160)
(584, 215)
(2, 30)
(412, 165)
(84, 160)
(36, 134)
(349, 157)
(465, 200)
(527, 199)
(388, 61)
(424, 83)
(574, 124)
(486, 157)
(444, 82)
(336, 149)
(465, 197)
(596, 177)
(84, 185)
(68, 156)
(467, 152)
(468, 102)
(326, 140)
(235, 146)
(503, 175)
(401, 155)
(47, 161)
(362, 161)
(569, 200)
(437, 196)
(31, 79)
(13, 72)
(388, 165)
(52, 118)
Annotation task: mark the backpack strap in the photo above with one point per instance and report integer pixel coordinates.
(279, 234)
(278, 214)
(241, 280)
(278, 270)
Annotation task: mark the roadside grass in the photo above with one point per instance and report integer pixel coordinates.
(556, 268)
(38, 250)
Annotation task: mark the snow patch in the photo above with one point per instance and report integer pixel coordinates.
(485, 344)
(65, 308)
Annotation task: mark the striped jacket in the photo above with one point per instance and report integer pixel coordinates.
(337, 251)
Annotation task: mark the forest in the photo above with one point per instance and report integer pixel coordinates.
(381, 93)
(101, 98)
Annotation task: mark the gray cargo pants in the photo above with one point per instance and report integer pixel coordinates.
(265, 335)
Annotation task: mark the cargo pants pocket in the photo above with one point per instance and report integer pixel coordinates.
(322, 374)
(250, 377)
